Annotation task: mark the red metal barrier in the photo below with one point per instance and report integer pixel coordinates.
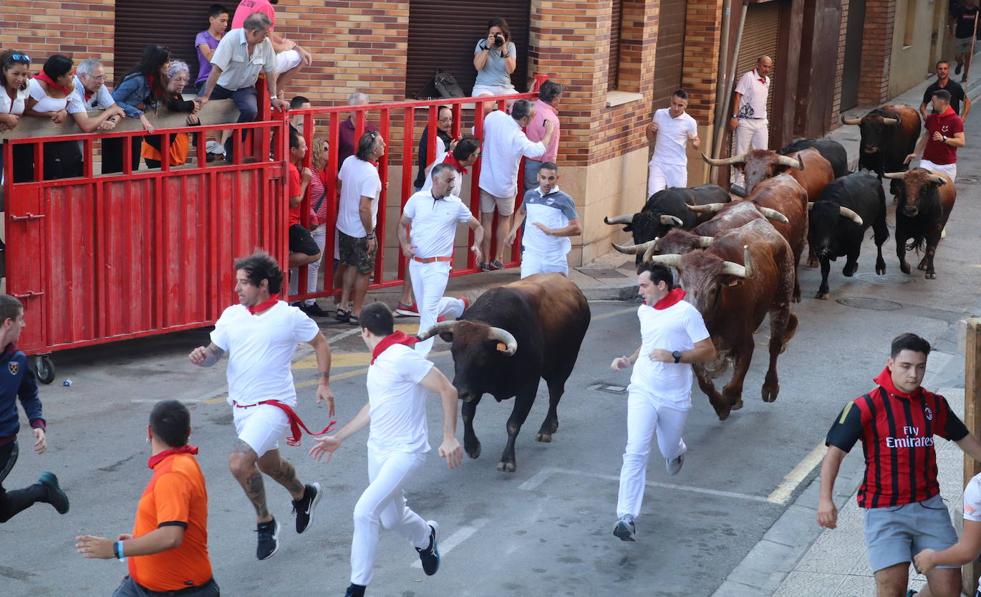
(101, 258)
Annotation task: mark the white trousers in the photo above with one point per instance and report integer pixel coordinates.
(313, 270)
(750, 134)
(538, 263)
(645, 415)
(662, 176)
(428, 285)
(383, 505)
(949, 169)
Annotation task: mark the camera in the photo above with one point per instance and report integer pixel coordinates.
(498, 40)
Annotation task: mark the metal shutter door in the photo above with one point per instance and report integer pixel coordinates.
(442, 34)
(670, 51)
(761, 33)
(173, 23)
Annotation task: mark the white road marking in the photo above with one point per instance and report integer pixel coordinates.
(782, 493)
(461, 535)
(540, 477)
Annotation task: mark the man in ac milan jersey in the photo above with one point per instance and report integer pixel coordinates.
(904, 514)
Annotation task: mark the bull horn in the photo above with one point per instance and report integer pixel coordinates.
(890, 121)
(504, 337)
(704, 241)
(742, 271)
(851, 215)
(772, 214)
(622, 219)
(672, 221)
(790, 162)
(736, 159)
(894, 175)
(670, 260)
(852, 121)
(810, 205)
(708, 208)
(439, 328)
(938, 179)
(635, 249)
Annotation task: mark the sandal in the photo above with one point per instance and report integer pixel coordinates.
(343, 315)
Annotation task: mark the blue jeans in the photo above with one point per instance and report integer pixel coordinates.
(246, 100)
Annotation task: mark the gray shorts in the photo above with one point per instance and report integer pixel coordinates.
(962, 45)
(894, 535)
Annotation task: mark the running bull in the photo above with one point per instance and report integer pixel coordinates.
(924, 202)
(509, 339)
(808, 167)
(829, 149)
(889, 134)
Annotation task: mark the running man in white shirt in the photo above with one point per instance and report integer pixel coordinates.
(260, 335)
(399, 380)
(426, 234)
(552, 219)
(671, 130)
(673, 336)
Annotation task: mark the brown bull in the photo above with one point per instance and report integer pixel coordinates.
(745, 274)
(808, 167)
(924, 201)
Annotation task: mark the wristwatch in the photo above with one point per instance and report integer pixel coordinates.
(677, 356)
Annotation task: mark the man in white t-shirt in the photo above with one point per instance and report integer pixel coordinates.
(551, 220)
(749, 118)
(357, 215)
(673, 336)
(260, 335)
(505, 143)
(426, 234)
(671, 130)
(399, 380)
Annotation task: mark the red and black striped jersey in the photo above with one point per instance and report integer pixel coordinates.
(897, 432)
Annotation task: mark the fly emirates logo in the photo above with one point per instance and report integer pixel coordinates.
(913, 439)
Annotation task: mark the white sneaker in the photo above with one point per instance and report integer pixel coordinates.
(674, 465)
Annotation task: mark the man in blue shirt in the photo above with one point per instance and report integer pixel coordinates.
(18, 381)
(552, 219)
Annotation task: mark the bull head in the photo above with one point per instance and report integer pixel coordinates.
(735, 160)
(731, 268)
(934, 178)
(506, 342)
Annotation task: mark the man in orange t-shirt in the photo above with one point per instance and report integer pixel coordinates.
(168, 550)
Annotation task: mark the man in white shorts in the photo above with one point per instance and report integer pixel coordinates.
(399, 380)
(505, 143)
(671, 130)
(260, 335)
(673, 336)
(426, 234)
(551, 218)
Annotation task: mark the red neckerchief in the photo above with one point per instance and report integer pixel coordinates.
(885, 382)
(43, 76)
(671, 299)
(391, 340)
(296, 423)
(263, 306)
(158, 458)
(452, 161)
(758, 77)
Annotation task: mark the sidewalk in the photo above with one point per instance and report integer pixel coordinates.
(796, 558)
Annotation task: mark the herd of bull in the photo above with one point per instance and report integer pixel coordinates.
(737, 256)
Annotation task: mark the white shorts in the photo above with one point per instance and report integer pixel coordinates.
(260, 426)
(662, 176)
(536, 263)
(492, 90)
(287, 60)
(503, 205)
(949, 169)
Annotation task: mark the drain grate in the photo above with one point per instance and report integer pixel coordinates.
(870, 304)
(608, 388)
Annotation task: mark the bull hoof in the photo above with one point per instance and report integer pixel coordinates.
(723, 415)
(822, 294)
(505, 467)
(545, 438)
(770, 394)
(880, 270)
(931, 275)
(474, 450)
(848, 272)
(812, 263)
(737, 405)
(904, 267)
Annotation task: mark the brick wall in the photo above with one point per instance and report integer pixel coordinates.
(44, 27)
(880, 18)
(703, 32)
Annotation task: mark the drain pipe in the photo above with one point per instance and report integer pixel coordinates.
(728, 80)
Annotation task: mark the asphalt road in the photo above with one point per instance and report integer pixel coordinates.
(545, 529)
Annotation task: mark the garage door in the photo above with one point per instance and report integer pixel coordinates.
(442, 34)
(670, 51)
(174, 24)
(761, 33)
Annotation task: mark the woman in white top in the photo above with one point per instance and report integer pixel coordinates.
(51, 97)
(15, 70)
(495, 59)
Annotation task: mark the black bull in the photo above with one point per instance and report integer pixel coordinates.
(889, 134)
(509, 339)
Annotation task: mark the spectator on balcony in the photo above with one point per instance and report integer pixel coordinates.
(463, 155)
(346, 142)
(300, 102)
(236, 63)
(51, 97)
(444, 138)
(290, 57)
(90, 86)
(207, 41)
(360, 187)
(505, 143)
(141, 89)
(546, 108)
(303, 249)
(15, 70)
(495, 58)
(178, 76)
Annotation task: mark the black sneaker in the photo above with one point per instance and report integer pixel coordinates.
(303, 507)
(625, 529)
(314, 310)
(56, 497)
(957, 69)
(430, 555)
(268, 539)
(354, 590)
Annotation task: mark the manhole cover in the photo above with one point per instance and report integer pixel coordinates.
(870, 304)
(608, 388)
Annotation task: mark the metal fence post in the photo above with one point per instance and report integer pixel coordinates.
(972, 418)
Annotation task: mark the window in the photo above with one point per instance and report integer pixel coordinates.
(616, 29)
(910, 23)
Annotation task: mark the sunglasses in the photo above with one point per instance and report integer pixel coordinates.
(18, 57)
